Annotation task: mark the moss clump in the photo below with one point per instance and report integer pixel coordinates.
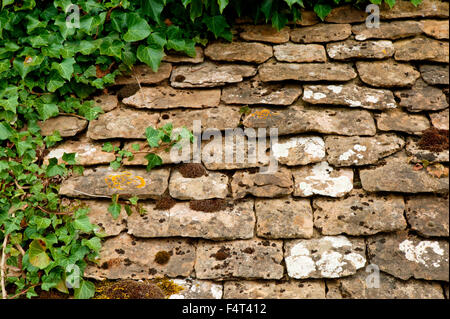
(165, 203)
(434, 140)
(162, 257)
(208, 205)
(168, 287)
(128, 289)
(192, 170)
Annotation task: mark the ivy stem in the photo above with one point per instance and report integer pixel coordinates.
(3, 266)
(22, 292)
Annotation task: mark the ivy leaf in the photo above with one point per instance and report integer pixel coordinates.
(138, 28)
(266, 8)
(292, 2)
(86, 290)
(47, 111)
(65, 68)
(5, 131)
(37, 255)
(217, 25)
(391, 3)
(82, 223)
(114, 209)
(93, 243)
(416, 2)
(196, 9)
(153, 8)
(69, 158)
(108, 147)
(42, 222)
(53, 169)
(150, 56)
(279, 20)
(222, 4)
(322, 10)
(153, 161)
(153, 136)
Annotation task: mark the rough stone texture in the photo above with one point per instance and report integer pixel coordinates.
(350, 49)
(405, 256)
(264, 33)
(349, 95)
(262, 184)
(398, 120)
(173, 57)
(107, 102)
(208, 74)
(397, 175)
(124, 257)
(387, 73)
(325, 257)
(197, 289)
(166, 97)
(361, 286)
(299, 119)
(299, 150)
(290, 52)
(275, 71)
(307, 18)
(435, 74)
(346, 14)
(99, 215)
(252, 52)
(321, 33)
(422, 97)
(428, 215)
(183, 155)
(213, 185)
(122, 123)
(254, 258)
(284, 218)
(65, 125)
(438, 29)
(234, 222)
(421, 48)
(357, 150)
(292, 289)
(104, 182)
(418, 155)
(322, 179)
(440, 120)
(359, 214)
(405, 9)
(143, 74)
(387, 30)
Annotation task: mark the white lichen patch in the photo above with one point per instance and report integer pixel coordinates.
(336, 89)
(355, 151)
(420, 253)
(56, 153)
(197, 289)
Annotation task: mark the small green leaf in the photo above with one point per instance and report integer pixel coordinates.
(108, 147)
(153, 161)
(322, 10)
(37, 255)
(86, 290)
(82, 223)
(114, 209)
(69, 158)
(65, 68)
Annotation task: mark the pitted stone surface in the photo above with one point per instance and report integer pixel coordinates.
(422, 97)
(65, 125)
(291, 52)
(143, 74)
(405, 9)
(359, 214)
(251, 259)
(428, 215)
(252, 52)
(106, 102)
(197, 289)
(435, 74)
(440, 120)
(299, 150)
(387, 30)
(321, 33)
(324, 257)
(180, 58)
(264, 33)
(213, 185)
(350, 49)
(99, 215)
(387, 73)
(438, 29)
(422, 48)
(418, 155)
(400, 121)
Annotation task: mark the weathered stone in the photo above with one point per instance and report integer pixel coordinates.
(208, 74)
(275, 71)
(124, 257)
(262, 184)
(346, 14)
(233, 222)
(104, 182)
(438, 29)
(421, 48)
(107, 102)
(440, 120)
(418, 155)
(254, 258)
(143, 74)
(321, 33)
(350, 95)
(264, 33)
(174, 57)
(213, 185)
(239, 51)
(274, 290)
(99, 215)
(122, 123)
(422, 97)
(350, 49)
(405, 256)
(435, 74)
(284, 218)
(397, 120)
(359, 287)
(322, 179)
(405, 9)
(387, 30)
(197, 289)
(325, 257)
(64, 124)
(299, 150)
(166, 157)
(359, 214)
(428, 215)
(166, 97)
(299, 119)
(290, 52)
(257, 92)
(358, 150)
(397, 175)
(387, 73)
(307, 18)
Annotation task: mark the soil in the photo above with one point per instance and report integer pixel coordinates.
(127, 90)
(128, 289)
(434, 140)
(192, 170)
(209, 205)
(165, 203)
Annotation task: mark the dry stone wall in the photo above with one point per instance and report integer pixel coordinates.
(351, 191)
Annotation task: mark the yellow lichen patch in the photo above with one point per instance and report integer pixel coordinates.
(168, 287)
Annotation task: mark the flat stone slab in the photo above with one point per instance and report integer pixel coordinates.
(359, 214)
(277, 71)
(122, 123)
(387, 73)
(292, 289)
(324, 257)
(252, 52)
(422, 48)
(166, 97)
(350, 95)
(437, 29)
(284, 218)
(346, 14)
(358, 150)
(350, 49)
(321, 33)
(107, 102)
(104, 182)
(250, 259)
(197, 289)
(124, 257)
(322, 179)
(209, 74)
(399, 121)
(428, 215)
(418, 155)
(99, 215)
(264, 33)
(213, 185)
(405, 9)
(440, 120)
(143, 74)
(66, 125)
(291, 52)
(234, 222)
(405, 256)
(182, 155)
(302, 150)
(435, 74)
(173, 57)
(308, 17)
(422, 97)
(387, 30)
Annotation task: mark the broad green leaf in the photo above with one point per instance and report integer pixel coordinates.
(37, 255)
(85, 291)
(216, 25)
(222, 4)
(114, 209)
(69, 158)
(322, 10)
(153, 161)
(82, 223)
(153, 136)
(5, 131)
(150, 56)
(47, 111)
(138, 29)
(391, 3)
(65, 68)
(153, 8)
(292, 2)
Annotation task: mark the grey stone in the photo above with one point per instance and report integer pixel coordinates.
(428, 215)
